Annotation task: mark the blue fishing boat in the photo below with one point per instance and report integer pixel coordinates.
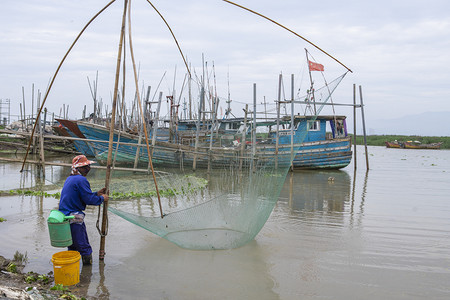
(321, 149)
(129, 149)
(70, 128)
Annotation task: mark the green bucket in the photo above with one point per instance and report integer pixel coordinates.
(59, 229)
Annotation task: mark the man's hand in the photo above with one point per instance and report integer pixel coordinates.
(101, 192)
(105, 197)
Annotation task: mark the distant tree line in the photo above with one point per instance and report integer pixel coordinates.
(379, 140)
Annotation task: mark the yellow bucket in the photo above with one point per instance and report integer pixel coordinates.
(66, 266)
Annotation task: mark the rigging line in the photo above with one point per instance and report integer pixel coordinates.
(182, 88)
(121, 107)
(173, 35)
(326, 85)
(157, 88)
(142, 114)
(291, 31)
(54, 77)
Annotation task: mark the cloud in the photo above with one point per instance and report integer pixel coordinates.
(397, 49)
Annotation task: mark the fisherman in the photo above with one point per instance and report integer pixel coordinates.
(75, 195)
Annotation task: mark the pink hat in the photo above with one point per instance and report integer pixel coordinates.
(81, 161)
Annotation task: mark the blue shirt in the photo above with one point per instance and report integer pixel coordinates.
(76, 194)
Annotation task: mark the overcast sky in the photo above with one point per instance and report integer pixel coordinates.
(398, 50)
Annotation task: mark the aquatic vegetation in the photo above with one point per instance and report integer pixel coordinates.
(2, 220)
(56, 195)
(59, 287)
(12, 268)
(66, 294)
(20, 258)
(196, 185)
(33, 277)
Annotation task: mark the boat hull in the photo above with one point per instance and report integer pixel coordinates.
(328, 154)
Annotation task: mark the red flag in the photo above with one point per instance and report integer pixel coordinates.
(315, 66)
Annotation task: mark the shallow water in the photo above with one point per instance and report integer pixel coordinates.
(382, 234)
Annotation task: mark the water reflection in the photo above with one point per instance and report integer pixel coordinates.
(360, 212)
(313, 190)
(90, 281)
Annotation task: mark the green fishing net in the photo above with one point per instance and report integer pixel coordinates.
(223, 204)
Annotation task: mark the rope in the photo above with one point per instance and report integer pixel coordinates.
(97, 224)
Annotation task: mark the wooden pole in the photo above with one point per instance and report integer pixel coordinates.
(24, 124)
(111, 136)
(354, 125)
(21, 116)
(312, 83)
(254, 129)
(142, 115)
(292, 122)
(41, 144)
(190, 96)
(364, 126)
(244, 132)
(277, 137)
(197, 132)
(156, 120)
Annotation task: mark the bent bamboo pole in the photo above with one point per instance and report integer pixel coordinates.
(291, 31)
(56, 73)
(142, 113)
(104, 230)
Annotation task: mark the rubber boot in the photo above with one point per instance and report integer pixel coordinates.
(87, 260)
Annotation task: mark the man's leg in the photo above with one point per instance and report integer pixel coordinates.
(81, 242)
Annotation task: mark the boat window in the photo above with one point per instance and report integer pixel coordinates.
(313, 125)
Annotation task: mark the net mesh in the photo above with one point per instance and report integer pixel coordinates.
(222, 206)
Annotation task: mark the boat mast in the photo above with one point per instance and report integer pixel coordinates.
(311, 90)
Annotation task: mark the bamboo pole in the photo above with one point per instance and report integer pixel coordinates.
(156, 121)
(244, 132)
(354, 125)
(136, 157)
(254, 129)
(142, 114)
(197, 132)
(277, 137)
(37, 162)
(111, 136)
(284, 27)
(190, 96)
(56, 73)
(364, 126)
(292, 122)
(41, 144)
(24, 113)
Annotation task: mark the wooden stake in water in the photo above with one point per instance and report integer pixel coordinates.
(111, 137)
(354, 125)
(364, 126)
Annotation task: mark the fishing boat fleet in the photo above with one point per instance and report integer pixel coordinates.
(301, 140)
(302, 136)
(413, 145)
